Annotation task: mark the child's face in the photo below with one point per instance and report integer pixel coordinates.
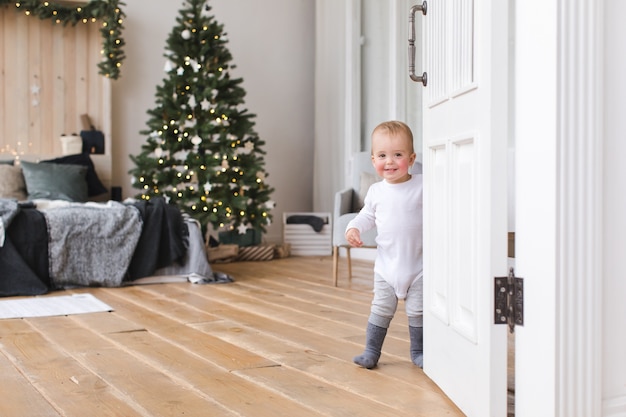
(392, 156)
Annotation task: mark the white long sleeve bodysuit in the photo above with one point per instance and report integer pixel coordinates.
(396, 211)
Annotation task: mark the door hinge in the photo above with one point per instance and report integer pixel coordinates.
(509, 300)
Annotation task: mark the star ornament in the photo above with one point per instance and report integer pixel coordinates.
(249, 146)
(242, 228)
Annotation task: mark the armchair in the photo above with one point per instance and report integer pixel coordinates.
(347, 204)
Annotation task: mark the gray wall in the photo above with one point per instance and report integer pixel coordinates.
(272, 43)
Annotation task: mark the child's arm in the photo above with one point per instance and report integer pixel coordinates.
(353, 236)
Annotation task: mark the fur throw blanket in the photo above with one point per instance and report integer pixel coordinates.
(91, 245)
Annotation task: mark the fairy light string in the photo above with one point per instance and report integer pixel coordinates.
(108, 12)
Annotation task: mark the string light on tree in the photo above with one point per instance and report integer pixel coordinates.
(201, 150)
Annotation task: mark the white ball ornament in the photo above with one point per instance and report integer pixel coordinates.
(186, 34)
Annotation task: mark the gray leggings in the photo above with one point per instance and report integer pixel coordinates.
(385, 303)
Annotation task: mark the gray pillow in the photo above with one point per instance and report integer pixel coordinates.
(366, 180)
(55, 181)
(12, 182)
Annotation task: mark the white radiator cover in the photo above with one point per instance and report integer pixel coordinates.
(304, 240)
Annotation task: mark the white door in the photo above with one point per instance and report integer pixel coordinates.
(465, 218)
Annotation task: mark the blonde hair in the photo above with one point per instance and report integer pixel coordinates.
(396, 128)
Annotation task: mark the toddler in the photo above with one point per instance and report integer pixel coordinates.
(394, 207)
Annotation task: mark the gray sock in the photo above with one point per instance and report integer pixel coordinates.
(416, 334)
(375, 336)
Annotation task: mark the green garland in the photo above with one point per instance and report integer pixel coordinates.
(108, 11)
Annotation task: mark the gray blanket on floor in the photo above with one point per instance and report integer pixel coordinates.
(91, 246)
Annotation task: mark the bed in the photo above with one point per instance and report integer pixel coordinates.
(59, 227)
(52, 237)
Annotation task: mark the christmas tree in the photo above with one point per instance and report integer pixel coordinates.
(201, 152)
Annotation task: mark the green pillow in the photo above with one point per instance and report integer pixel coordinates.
(55, 181)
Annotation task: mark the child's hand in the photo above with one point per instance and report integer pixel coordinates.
(353, 236)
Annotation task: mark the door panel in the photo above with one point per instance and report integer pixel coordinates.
(463, 230)
(438, 197)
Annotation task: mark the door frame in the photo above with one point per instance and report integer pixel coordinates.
(558, 108)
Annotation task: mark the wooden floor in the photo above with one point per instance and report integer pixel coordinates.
(277, 342)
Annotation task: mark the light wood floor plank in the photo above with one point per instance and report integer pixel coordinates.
(324, 397)
(24, 398)
(330, 323)
(144, 387)
(341, 347)
(67, 385)
(226, 388)
(278, 341)
(221, 353)
(340, 373)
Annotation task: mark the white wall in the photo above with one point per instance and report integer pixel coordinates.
(272, 43)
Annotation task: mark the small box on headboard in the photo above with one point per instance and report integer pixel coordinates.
(71, 144)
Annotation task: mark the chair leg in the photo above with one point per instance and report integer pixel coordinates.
(349, 263)
(335, 264)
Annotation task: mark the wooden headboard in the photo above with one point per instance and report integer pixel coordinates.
(48, 79)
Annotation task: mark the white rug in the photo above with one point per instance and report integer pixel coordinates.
(51, 306)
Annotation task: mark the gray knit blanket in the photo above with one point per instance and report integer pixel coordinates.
(91, 245)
